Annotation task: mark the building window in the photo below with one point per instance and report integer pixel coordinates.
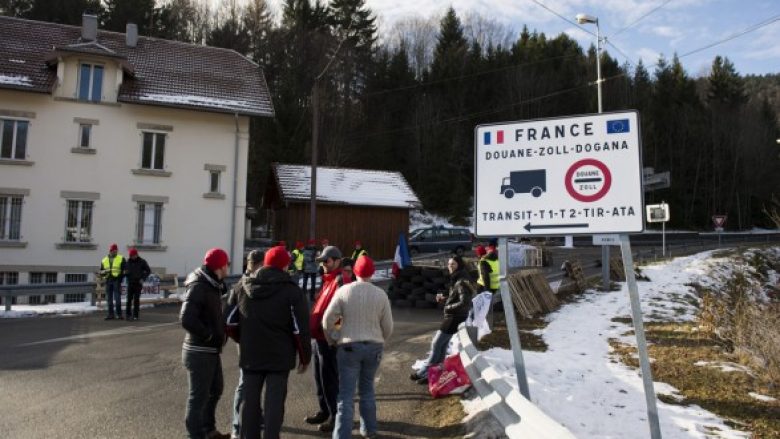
(75, 277)
(91, 82)
(78, 227)
(13, 139)
(10, 217)
(153, 154)
(85, 135)
(75, 297)
(8, 278)
(38, 277)
(214, 177)
(149, 223)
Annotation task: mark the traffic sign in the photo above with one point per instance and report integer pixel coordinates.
(719, 221)
(657, 213)
(579, 175)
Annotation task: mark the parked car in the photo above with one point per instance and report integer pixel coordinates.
(440, 238)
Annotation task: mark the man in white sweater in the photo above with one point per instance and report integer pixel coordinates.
(359, 321)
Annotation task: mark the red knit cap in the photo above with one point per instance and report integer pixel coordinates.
(491, 248)
(133, 252)
(298, 245)
(113, 248)
(216, 258)
(364, 267)
(277, 257)
(312, 242)
(481, 251)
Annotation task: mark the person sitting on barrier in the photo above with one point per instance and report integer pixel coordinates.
(457, 303)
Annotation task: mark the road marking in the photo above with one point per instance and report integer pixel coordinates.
(119, 331)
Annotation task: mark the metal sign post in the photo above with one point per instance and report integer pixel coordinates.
(511, 323)
(641, 343)
(659, 213)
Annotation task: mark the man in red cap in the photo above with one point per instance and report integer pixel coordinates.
(137, 272)
(112, 269)
(201, 317)
(359, 251)
(359, 322)
(274, 331)
(310, 268)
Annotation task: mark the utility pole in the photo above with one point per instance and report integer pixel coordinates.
(315, 128)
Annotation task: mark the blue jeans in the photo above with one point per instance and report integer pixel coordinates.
(358, 363)
(205, 389)
(238, 397)
(114, 296)
(438, 351)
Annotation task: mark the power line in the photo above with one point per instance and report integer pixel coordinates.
(563, 18)
(468, 116)
(642, 17)
(747, 30)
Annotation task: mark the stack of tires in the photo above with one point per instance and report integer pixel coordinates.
(417, 287)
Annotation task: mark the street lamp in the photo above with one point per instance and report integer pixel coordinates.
(584, 19)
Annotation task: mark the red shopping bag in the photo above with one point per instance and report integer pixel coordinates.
(449, 378)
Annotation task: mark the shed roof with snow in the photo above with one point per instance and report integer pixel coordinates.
(359, 187)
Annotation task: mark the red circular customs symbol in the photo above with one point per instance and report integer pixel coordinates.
(588, 180)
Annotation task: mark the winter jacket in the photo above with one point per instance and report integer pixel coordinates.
(268, 302)
(330, 283)
(458, 303)
(201, 312)
(137, 270)
(309, 262)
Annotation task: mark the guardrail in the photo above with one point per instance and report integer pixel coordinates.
(7, 292)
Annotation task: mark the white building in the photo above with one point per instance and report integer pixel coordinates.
(114, 138)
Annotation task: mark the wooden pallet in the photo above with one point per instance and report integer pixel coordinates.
(531, 293)
(576, 275)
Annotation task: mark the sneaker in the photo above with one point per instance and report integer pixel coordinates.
(373, 435)
(328, 426)
(415, 376)
(423, 381)
(109, 318)
(317, 418)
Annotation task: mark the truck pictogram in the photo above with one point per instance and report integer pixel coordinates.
(524, 182)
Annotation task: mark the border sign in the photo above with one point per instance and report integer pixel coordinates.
(579, 175)
(719, 221)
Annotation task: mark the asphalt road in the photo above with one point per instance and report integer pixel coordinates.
(83, 377)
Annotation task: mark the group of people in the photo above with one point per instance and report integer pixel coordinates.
(113, 268)
(343, 328)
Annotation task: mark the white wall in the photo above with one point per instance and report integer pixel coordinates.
(191, 223)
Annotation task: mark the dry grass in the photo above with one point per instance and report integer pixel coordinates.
(499, 338)
(676, 347)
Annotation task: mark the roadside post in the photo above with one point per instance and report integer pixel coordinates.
(659, 213)
(578, 175)
(719, 221)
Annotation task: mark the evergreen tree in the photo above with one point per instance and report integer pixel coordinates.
(118, 13)
(229, 30)
(62, 11)
(725, 84)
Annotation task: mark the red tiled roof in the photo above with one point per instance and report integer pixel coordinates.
(164, 73)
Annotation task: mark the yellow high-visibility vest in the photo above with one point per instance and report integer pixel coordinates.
(113, 265)
(298, 259)
(358, 253)
(494, 274)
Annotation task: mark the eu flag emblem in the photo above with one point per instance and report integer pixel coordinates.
(618, 126)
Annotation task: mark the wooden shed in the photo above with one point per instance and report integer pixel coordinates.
(352, 204)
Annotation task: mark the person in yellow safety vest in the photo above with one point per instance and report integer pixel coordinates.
(112, 269)
(296, 262)
(488, 269)
(359, 251)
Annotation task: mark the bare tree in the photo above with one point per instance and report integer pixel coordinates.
(418, 35)
(487, 32)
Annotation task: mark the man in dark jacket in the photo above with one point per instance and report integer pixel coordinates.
(274, 329)
(201, 317)
(137, 271)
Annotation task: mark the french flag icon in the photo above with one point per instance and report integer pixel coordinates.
(488, 138)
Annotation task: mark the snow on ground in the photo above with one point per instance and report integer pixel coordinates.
(761, 397)
(420, 219)
(66, 309)
(577, 381)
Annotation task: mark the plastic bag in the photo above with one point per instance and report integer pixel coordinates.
(449, 378)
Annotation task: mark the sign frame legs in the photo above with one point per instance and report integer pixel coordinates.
(639, 330)
(605, 282)
(511, 322)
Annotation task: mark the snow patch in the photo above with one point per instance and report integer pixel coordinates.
(200, 101)
(725, 366)
(17, 61)
(20, 80)
(761, 397)
(62, 309)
